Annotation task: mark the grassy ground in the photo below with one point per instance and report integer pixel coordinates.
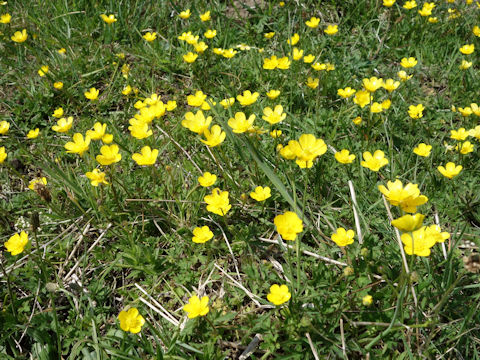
(95, 251)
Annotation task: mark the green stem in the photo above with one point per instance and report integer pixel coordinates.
(9, 285)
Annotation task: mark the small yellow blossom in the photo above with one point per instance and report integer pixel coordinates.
(202, 234)
(79, 145)
(214, 136)
(279, 294)
(467, 49)
(388, 3)
(460, 134)
(261, 193)
(367, 300)
(32, 134)
(32, 185)
(196, 307)
(275, 133)
(408, 62)
(196, 122)
(240, 123)
(92, 94)
(3, 154)
(312, 83)
(423, 150)
(465, 65)
(465, 148)
(96, 177)
(62, 51)
(374, 162)
(331, 29)
(17, 243)
(248, 98)
(274, 116)
(344, 156)
(362, 98)
(313, 22)
(63, 125)
(416, 111)
(109, 155)
(58, 113)
(404, 76)
(131, 320)
(4, 126)
(343, 237)
(407, 197)
(110, 19)
(391, 85)
(408, 223)
(185, 14)
(297, 54)
(58, 85)
(146, 157)
(205, 16)
(19, 36)
(346, 93)
(307, 59)
(357, 121)
(410, 5)
(190, 57)
(207, 179)
(5, 18)
(210, 34)
(43, 71)
(288, 225)
(150, 36)
(218, 202)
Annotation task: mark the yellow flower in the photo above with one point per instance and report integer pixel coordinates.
(92, 94)
(343, 237)
(391, 85)
(196, 100)
(408, 223)
(270, 63)
(214, 136)
(190, 57)
(407, 198)
(275, 133)
(207, 179)
(357, 120)
(312, 83)
(58, 113)
(247, 98)
(79, 145)
(110, 19)
(376, 108)
(410, 5)
(386, 104)
(32, 134)
(4, 126)
(200, 47)
(16, 244)
(63, 125)
(146, 157)
(467, 49)
(288, 225)
(273, 94)
(460, 134)
(374, 162)
(319, 66)
(150, 36)
(307, 149)
(185, 14)
(43, 70)
(274, 116)
(171, 105)
(196, 123)
(240, 123)
(201, 234)
(131, 320)
(465, 148)
(62, 51)
(229, 53)
(196, 307)
(404, 76)
(19, 36)
(294, 39)
(475, 132)
(388, 3)
(58, 85)
(96, 177)
(433, 20)
(367, 300)
(307, 59)
(465, 65)
(313, 22)
(346, 93)
(209, 34)
(226, 103)
(344, 156)
(109, 155)
(362, 98)
(297, 54)
(450, 170)
(261, 193)
(279, 294)
(416, 111)
(189, 38)
(331, 29)
(5, 18)
(205, 16)
(284, 63)
(217, 202)
(408, 62)
(269, 35)
(426, 9)
(107, 138)
(423, 150)
(98, 131)
(139, 129)
(35, 182)
(372, 84)
(423, 239)
(3, 154)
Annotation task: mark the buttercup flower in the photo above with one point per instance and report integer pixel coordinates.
(450, 170)
(279, 294)
(210, 34)
(139, 129)
(344, 156)
(4, 126)
(416, 111)
(196, 307)
(63, 125)
(58, 112)
(346, 93)
(374, 162)
(312, 83)
(43, 70)
(313, 22)
(5, 18)
(131, 320)
(270, 63)
(19, 36)
(293, 40)
(404, 76)
(274, 116)
(35, 182)
(357, 121)
(92, 94)
(275, 133)
(408, 222)
(343, 237)
(96, 177)
(110, 19)
(423, 150)
(261, 193)
(376, 108)
(109, 155)
(423, 239)
(391, 85)
(362, 98)
(205, 16)
(190, 57)
(150, 36)
(58, 85)
(146, 157)
(410, 5)
(307, 59)
(288, 225)
(197, 99)
(372, 84)
(79, 144)
(214, 136)
(200, 47)
(3, 154)
(388, 3)
(460, 134)
(226, 103)
(185, 14)
(465, 148)
(408, 62)
(201, 234)
(218, 202)
(207, 179)
(307, 149)
(240, 123)
(98, 131)
(229, 53)
(269, 35)
(475, 132)
(16, 244)
(247, 98)
(196, 122)
(297, 54)
(367, 300)
(331, 29)
(467, 49)
(273, 94)
(407, 198)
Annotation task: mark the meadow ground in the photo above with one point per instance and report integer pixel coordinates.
(239, 179)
